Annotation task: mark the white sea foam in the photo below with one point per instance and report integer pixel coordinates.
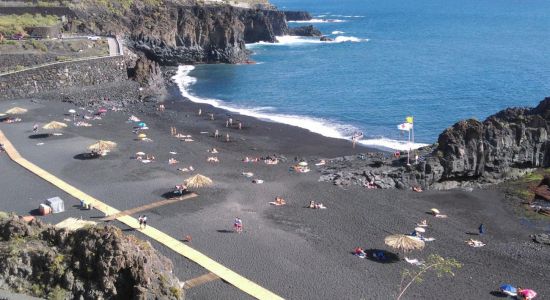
(323, 127)
(389, 144)
(319, 21)
(337, 32)
(290, 40)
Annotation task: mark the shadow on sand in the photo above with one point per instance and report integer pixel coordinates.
(498, 294)
(40, 136)
(85, 156)
(225, 231)
(381, 256)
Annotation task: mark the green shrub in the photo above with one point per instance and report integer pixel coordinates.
(38, 45)
(62, 58)
(12, 24)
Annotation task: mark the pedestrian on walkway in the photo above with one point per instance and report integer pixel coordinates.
(140, 219)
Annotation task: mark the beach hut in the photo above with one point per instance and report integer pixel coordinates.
(16, 111)
(56, 204)
(54, 125)
(404, 242)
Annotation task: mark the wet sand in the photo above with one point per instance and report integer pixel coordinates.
(296, 252)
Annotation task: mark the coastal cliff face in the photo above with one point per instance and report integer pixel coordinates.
(92, 263)
(172, 34)
(511, 140)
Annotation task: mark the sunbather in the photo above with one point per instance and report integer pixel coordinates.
(360, 252)
(311, 204)
(172, 161)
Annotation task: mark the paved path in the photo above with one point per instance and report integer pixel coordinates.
(148, 207)
(209, 264)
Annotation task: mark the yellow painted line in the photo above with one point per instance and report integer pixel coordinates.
(206, 262)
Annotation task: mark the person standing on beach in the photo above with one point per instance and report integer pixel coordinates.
(230, 121)
(227, 137)
(238, 225)
(144, 221)
(200, 111)
(217, 133)
(481, 229)
(240, 125)
(35, 127)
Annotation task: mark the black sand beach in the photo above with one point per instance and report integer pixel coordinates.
(296, 252)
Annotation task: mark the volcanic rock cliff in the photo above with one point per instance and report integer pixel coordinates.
(173, 34)
(468, 154)
(92, 263)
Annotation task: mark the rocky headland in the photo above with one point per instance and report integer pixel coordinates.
(469, 154)
(91, 263)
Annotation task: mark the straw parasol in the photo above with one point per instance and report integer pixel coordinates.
(303, 164)
(420, 229)
(102, 146)
(142, 135)
(404, 242)
(435, 210)
(198, 181)
(54, 125)
(140, 153)
(16, 111)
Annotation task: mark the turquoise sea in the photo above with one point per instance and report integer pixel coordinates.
(437, 60)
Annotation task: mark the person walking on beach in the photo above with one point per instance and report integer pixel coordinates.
(240, 125)
(227, 137)
(144, 221)
(481, 229)
(217, 133)
(35, 127)
(226, 123)
(140, 219)
(230, 121)
(200, 111)
(238, 225)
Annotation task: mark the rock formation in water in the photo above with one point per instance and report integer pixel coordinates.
(297, 15)
(470, 153)
(91, 263)
(305, 31)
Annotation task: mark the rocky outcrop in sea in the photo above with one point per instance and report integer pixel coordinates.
(471, 153)
(90, 263)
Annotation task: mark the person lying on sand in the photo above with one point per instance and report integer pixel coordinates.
(257, 181)
(474, 243)
(213, 159)
(417, 189)
(360, 252)
(423, 223)
(180, 189)
(172, 161)
(213, 151)
(278, 201)
(321, 163)
(320, 206)
(311, 204)
(150, 157)
(371, 184)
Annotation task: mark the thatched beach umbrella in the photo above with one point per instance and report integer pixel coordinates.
(404, 242)
(16, 111)
(101, 146)
(198, 181)
(54, 125)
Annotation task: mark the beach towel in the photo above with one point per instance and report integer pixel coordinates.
(475, 243)
(257, 181)
(414, 262)
(188, 140)
(422, 225)
(173, 153)
(57, 133)
(39, 144)
(441, 216)
(248, 174)
(145, 161)
(430, 239)
(275, 203)
(320, 163)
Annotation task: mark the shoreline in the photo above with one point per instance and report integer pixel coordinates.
(323, 127)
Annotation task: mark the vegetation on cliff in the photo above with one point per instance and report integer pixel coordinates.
(12, 24)
(90, 263)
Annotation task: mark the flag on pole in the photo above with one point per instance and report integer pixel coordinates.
(409, 120)
(405, 126)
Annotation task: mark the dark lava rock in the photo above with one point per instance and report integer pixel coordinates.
(305, 31)
(541, 238)
(90, 263)
(297, 15)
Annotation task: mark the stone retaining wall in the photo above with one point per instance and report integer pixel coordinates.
(62, 75)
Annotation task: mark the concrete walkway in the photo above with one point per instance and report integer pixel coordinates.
(209, 264)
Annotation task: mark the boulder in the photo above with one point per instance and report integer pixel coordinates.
(305, 31)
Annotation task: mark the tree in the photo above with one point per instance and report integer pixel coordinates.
(440, 265)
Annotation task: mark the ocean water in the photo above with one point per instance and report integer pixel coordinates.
(439, 61)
